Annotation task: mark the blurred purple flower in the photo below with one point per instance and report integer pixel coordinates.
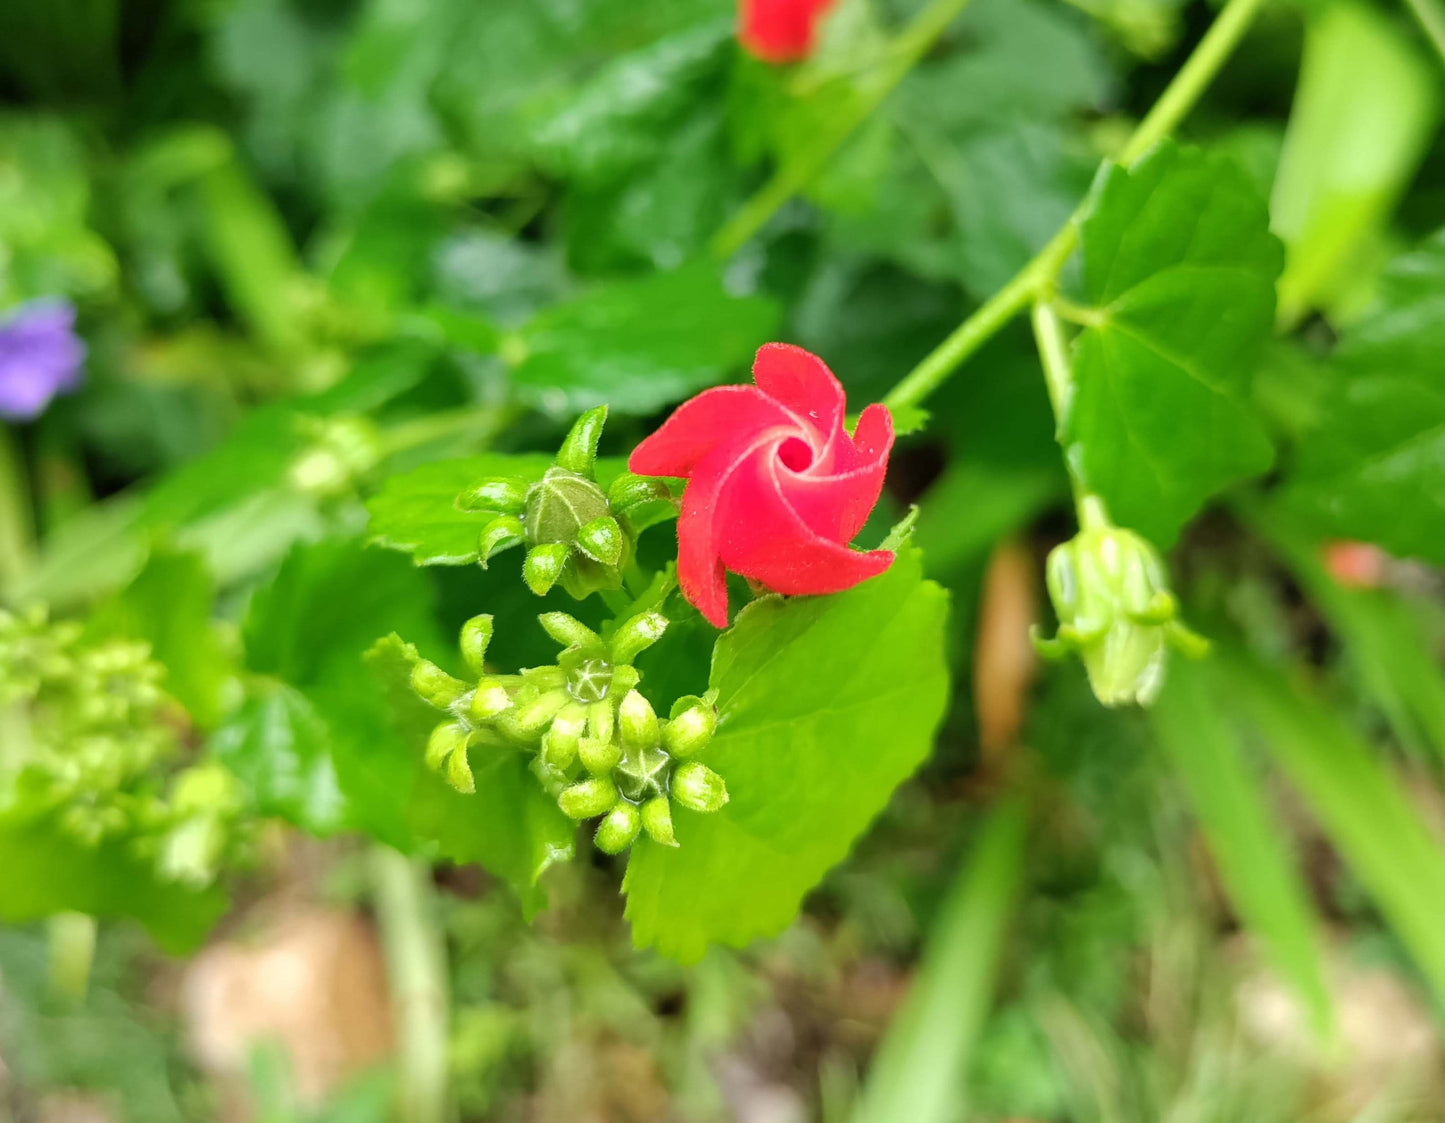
(40, 356)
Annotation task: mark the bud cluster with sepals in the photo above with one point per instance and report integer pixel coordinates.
(1111, 594)
(577, 534)
(598, 746)
(92, 739)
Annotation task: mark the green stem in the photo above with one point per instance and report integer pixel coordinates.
(17, 526)
(801, 167)
(1432, 21)
(1039, 274)
(416, 963)
(70, 939)
(1059, 378)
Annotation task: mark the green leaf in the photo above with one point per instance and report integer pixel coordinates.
(1365, 810)
(826, 705)
(1248, 845)
(1179, 272)
(417, 511)
(1374, 467)
(1364, 113)
(919, 1070)
(637, 345)
(48, 871)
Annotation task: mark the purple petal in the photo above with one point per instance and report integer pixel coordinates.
(40, 356)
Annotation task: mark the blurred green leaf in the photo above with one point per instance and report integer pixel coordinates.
(1179, 271)
(1366, 107)
(919, 1070)
(827, 704)
(1374, 467)
(1248, 843)
(640, 344)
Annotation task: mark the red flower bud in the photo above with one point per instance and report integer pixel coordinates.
(780, 30)
(775, 486)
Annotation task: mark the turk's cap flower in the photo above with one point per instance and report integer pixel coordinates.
(780, 30)
(40, 357)
(776, 486)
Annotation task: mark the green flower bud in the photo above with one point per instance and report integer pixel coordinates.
(558, 750)
(636, 635)
(657, 820)
(691, 726)
(628, 491)
(543, 566)
(343, 451)
(698, 788)
(602, 540)
(598, 757)
(506, 495)
(591, 797)
(568, 630)
(638, 721)
(624, 678)
(529, 718)
(579, 451)
(559, 504)
(459, 772)
(601, 721)
(1110, 592)
(618, 829)
(553, 780)
(446, 740)
(544, 678)
(642, 772)
(476, 637)
(588, 680)
(559, 743)
(434, 685)
(502, 533)
(490, 699)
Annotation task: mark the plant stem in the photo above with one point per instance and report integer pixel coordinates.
(17, 526)
(1432, 21)
(1059, 377)
(1173, 105)
(801, 167)
(416, 963)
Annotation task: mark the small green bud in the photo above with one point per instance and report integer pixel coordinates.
(558, 749)
(459, 772)
(638, 721)
(628, 491)
(559, 503)
(490, 699)
(553, 780)
(528, 719)
(502, 533)
(602, 540)
(598, 757)
(544, 678)
(476, 637)
(624, 678)
(506, 495)
(591, 797)
(1110, 592)
(568, 630)
(619, 828)
(601, 721)
(698, 788)
(446, 740)
(589, 680)
(434, 685)
(657, 820)
(642, 772)
(691, 726)
(543, 566)
(636, 635)
(579, 451)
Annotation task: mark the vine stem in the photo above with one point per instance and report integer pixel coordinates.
(416, 964)
(1174, 104)
(801, 167)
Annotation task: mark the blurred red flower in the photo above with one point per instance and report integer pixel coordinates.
(780, 30)
(776, 488)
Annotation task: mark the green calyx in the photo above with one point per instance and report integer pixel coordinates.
(1110, 592)
(578, 536)
(598, 746)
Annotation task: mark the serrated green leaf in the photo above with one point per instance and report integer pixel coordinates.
(1179, 272)
(1374, 467)
(826, 705)
(640, 344)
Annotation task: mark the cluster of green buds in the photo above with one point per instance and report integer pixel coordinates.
(1111, 594)
(91, 738)
(598, 746)
(577, 535)
(340, 453)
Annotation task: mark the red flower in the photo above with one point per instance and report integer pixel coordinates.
(775, 486)
(781, 30)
